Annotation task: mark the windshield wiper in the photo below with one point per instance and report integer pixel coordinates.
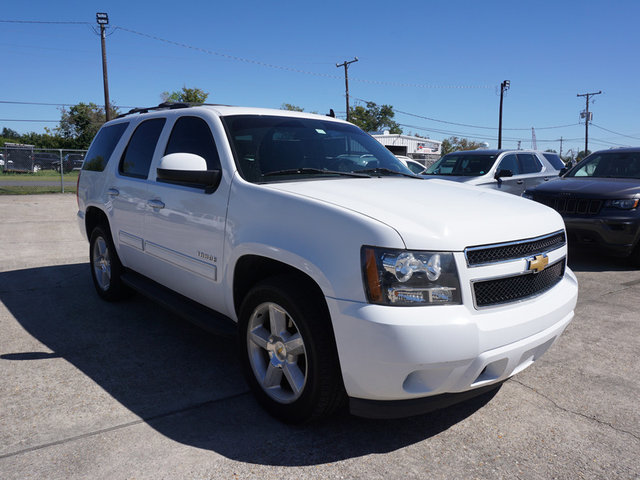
(299, 171)
(388, 171)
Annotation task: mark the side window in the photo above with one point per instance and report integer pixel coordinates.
(510, 162)
(136, 159)
(103, 146)
(192, 135)
(529, 163)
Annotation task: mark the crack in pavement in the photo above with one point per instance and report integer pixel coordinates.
(566, 410)
(123, 425)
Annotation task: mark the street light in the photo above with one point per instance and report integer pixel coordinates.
(504, 86)
(103, 19)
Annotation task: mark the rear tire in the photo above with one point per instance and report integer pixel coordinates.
(288, 352)
(106, 269)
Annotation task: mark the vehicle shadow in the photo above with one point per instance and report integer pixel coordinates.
(183, 382)
(581, 260)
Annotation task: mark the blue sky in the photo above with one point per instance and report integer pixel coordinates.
(443, 60)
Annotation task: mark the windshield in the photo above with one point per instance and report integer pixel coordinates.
(608, 165)
(462, 164)
(273, 148)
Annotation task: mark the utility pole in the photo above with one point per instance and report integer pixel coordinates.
(504, 86)
(103, 20)
(560, 147)
(587, 119)
(345, 64)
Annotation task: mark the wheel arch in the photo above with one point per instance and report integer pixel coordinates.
(94, 217)
(249, 270)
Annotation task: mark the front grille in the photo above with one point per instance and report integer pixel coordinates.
(520, 287)
(571, 206)
(509, 251)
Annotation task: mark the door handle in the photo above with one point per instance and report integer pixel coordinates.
(155, 204)
(113, 192)
(520, 182)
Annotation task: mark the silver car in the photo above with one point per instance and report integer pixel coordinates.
(511, 171)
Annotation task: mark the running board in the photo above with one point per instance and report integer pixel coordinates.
(182, 306)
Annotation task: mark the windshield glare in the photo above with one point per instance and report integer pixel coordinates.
(462, 164)
(608, 165)
(273, 148)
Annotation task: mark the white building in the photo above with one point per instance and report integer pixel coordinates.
(415, 147)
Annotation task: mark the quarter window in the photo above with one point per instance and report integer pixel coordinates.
(136, 159)
(103, 146)
(193, 135)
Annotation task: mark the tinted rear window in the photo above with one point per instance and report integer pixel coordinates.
(103, 146)
(554, 160)
(462, 164)
(137, 157)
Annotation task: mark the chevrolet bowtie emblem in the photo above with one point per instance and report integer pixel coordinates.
(538, 263)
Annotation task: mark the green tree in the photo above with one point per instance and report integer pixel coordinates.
(373, 118)
(80, 123)
(582, 155)
(453, 144)
(9, 133)
(186, 95)
(291, 108)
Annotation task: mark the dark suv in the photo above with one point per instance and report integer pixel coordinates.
(599, 200)
(71, 161)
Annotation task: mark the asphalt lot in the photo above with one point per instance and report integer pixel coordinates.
(95, 390)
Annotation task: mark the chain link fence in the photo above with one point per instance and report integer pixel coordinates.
(46, 163)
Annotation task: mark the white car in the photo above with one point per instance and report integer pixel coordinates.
(411, 164)
(510, 171)
(286, 229)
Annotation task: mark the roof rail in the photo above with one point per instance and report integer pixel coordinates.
(166, 106)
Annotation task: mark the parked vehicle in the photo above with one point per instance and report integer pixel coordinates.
(511, 171)
(70, 162)
(45, 161)
(599, 202)
(411, 164)
(286, 229)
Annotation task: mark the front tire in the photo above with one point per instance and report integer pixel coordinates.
(106, 269)
(287, 351)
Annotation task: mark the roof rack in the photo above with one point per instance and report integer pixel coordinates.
(164, 106)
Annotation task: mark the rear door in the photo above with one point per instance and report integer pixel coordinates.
(532, 170)
(129, 193)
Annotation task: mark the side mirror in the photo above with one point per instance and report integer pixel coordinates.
(503, 173)
(188, 170)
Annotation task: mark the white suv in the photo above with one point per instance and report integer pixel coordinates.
(343, 275)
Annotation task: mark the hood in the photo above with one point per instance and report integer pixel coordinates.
(434, 214)
(606, 188)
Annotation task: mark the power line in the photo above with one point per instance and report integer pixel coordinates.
(466, 124)
(292, 69)
(611, 131)
(53, 104)
(45, 22)
(22, 120)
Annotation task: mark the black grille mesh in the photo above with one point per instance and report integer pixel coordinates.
(491, 254)
(571, 206)
(511, 289)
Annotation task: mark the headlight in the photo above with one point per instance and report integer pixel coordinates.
(403, 277)
(626, 204)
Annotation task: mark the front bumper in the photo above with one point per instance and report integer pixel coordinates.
(615, 235)
(390, 353)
